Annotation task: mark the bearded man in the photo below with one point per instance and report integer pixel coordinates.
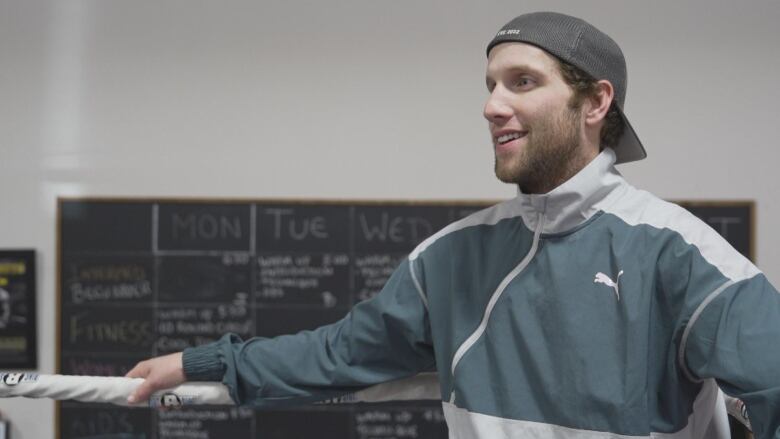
(582, 308)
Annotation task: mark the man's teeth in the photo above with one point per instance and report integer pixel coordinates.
(507, 137)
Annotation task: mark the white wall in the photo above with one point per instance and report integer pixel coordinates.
(346, 99)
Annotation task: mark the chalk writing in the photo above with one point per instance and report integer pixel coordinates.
(395, 229)
(285, 225)
(205, 226)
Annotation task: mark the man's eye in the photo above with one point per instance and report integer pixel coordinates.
(524, 82)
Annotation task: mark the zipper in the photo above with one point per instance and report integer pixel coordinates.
(472, 339)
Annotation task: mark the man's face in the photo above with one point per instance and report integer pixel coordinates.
(536, 133)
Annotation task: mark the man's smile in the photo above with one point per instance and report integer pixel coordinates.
(508, 140)
(507, 137)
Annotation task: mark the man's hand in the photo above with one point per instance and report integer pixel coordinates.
(159, 373)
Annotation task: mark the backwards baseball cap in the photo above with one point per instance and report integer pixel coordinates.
(578, 43)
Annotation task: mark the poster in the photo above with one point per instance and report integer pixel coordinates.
(17, 310)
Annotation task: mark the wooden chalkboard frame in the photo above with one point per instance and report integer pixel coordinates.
(728, 204)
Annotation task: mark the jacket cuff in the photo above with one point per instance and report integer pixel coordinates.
(202, 363)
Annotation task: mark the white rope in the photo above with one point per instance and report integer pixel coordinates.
(113, 390)
(424, 386)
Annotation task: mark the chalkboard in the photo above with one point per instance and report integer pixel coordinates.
(147, 277)
(734, 220)
(139, 278)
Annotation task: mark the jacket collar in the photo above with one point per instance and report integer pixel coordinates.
(575, 201)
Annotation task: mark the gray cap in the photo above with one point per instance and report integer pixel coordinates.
(578, 43)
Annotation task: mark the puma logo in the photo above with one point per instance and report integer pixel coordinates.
(604, 279)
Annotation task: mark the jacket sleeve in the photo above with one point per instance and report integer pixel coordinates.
(735, 339)
(381, 339)
(730, 324)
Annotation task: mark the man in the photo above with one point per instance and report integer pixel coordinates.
(583, 308)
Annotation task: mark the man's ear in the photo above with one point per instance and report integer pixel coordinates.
(597, 105)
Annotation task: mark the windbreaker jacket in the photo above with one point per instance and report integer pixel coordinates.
(594, 311)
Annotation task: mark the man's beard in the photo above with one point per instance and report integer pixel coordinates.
(549, 158)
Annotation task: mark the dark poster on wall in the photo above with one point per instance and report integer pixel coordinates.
(17, 310)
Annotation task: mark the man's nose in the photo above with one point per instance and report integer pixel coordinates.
(497, 108)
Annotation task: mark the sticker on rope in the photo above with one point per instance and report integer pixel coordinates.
(12, 379)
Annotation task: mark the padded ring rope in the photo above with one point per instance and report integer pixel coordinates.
(114, 390)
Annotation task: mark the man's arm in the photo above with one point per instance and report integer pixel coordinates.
(382, 339)
(736, 340)
(727, 315)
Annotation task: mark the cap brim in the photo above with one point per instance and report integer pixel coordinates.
(629, 148)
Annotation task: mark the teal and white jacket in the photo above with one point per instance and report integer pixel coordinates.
(594, 311)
